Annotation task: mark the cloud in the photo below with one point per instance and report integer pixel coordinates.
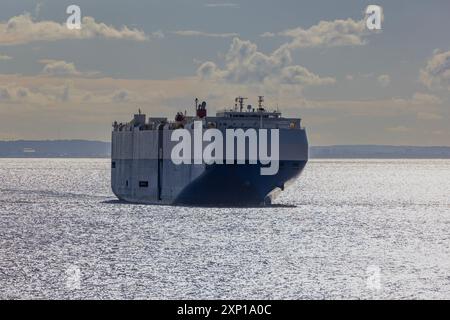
(121, 96)
(244, 64)
(436, 73)
(5, 57)
(301, 75)
(58, 68)
(17, 94)
(222, 5)
(195, 33)
(91, 107)
(325, 34)
(61, 68)
(23, 29)
(384, 80)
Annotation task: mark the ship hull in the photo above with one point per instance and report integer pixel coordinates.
(238, 185)
(210, 185)
(142, 171)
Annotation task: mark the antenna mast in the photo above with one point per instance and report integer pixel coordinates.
(260, 103)
(241, 103)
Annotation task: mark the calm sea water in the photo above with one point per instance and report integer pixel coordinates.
(346, 229)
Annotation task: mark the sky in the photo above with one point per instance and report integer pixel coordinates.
(316, 60)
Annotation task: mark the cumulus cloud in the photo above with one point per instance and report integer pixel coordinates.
(195, 33)
(23, 29)
(384, 80)
(436, 73)
(5, 57)
(245, 64)
(300, 75)
(325, 34)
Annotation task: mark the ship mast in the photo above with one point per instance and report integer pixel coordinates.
(241, 103)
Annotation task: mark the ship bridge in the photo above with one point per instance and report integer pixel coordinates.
(250, 117)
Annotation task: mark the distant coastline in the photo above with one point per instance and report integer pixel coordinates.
(55, 149)
(101, 149)
(379, 152)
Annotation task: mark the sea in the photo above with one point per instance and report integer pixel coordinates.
(346, 229)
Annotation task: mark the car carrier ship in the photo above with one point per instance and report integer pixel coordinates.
(142, 170)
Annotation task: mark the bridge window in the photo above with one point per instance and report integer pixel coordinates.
(143, 184)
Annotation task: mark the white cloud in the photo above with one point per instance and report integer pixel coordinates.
(384, 80)
(23, 29)
(245, 64)
(436, 73)
(5, 57)
(325, 34)
(195, 33)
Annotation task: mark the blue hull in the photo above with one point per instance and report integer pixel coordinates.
(238, 185)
